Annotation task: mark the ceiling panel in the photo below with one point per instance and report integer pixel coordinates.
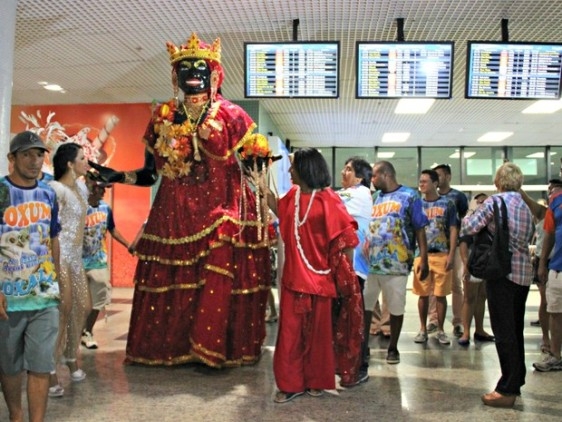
(106, 51)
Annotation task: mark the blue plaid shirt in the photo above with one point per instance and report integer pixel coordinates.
(520, 223)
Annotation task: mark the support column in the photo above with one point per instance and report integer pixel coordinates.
(7, 40)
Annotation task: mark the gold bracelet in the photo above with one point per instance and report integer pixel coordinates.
(130, 178)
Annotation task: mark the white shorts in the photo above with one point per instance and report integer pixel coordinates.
(554, 292)
(100, 287)
(393, 288)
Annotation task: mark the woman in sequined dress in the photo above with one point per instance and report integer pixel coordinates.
(69, 165)
(203, 269)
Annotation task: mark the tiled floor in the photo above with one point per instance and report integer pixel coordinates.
(432, 383)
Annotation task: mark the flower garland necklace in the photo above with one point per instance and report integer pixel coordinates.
(299, 223)
(177, 141)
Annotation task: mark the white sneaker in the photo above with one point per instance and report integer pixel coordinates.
(56, 391)
(442, 338)
(78, 375)
(88, 340)
(421, 337)
(549, 363)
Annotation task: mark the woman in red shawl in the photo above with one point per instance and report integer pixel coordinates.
(203, 273)
(319, 237)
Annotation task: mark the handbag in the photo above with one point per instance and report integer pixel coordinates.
(490, 257)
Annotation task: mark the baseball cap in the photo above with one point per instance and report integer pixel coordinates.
(26, 140)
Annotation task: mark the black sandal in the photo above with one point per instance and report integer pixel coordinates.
(282, 397)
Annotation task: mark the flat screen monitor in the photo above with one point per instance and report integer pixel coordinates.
(404, 69)
(292, 69)
(514, 70)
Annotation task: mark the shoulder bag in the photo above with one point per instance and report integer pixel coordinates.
(490, 257)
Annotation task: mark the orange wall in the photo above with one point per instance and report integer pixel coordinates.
(130, 203)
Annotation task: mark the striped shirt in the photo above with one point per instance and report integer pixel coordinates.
(520, 222)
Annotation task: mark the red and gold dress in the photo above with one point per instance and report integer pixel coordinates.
(203, 274)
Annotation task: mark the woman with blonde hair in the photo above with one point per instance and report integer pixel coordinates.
(69, 165)
(507, 295)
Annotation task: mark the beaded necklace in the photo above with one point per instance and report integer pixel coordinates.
(299, 223)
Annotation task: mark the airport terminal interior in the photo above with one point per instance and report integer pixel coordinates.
(431, 383)
(112, 55)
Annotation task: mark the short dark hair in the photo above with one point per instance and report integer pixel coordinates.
(386, 167)
(64, 154)
(478, 195)
(555, 182)
(312, 168)
(362, 169)
(445, 167)
(432, 175)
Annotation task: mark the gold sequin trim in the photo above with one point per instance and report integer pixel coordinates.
(183, 286)
(245, 360)
(201, 234)
(230, 151)
(219, 270)
(201, 283)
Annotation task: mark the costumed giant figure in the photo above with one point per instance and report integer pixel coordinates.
(203, 274)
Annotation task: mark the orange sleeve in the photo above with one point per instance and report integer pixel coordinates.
(549, 225)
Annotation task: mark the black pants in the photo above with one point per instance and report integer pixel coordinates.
(506, 304)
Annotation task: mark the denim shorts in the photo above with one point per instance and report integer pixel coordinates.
(28, 341)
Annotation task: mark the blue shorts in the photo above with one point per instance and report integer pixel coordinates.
(28, 341)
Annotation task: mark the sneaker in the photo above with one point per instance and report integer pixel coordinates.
(56, 391)
(431, 327)
(549, 363)
(78, 375)
(421, 337)
(458, 331)
(393, 357)
(442, 338)
(88, 340)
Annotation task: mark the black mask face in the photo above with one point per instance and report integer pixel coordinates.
(194, 76)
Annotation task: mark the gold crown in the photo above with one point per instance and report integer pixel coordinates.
(193, 50)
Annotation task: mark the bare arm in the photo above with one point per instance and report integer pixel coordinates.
(133, 245)
(423, 268)
(547, 245)
(119, 237)
(3, 306)
(537, 209)
(453, 236)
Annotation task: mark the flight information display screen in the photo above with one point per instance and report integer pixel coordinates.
(292, 70)
(513, 70)
(404, 69)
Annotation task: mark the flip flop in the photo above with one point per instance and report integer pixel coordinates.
(282, 397)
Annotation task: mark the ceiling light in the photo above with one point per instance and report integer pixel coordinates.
(494, 136)
(53, 87)
(414, 105)
(543, 107)
(538, 155)
(395, 137)
(388, 154)
(465, 154)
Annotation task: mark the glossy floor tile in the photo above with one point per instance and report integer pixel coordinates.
(432, 383)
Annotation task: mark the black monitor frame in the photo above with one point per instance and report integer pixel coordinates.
(306, 45)
(405, 44)
(470, 75)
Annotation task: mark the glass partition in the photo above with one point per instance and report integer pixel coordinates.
(555, 163)
(405, 162)
(432, 157)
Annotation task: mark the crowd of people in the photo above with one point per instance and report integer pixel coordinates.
(202, 287)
